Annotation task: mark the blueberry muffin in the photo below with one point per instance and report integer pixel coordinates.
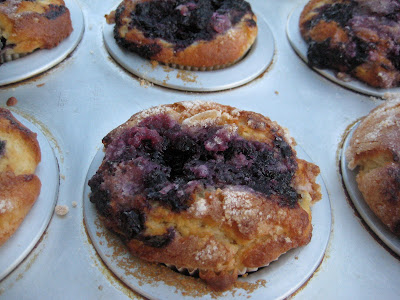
(19, 186)
(206, 188)
(200, 34)
(359, 38)
(28, 25)
(375, 151)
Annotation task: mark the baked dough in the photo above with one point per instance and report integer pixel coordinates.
(375, 149)
(206, 187)
(17, 196)
(29, 25)
(355, 37)
(201, 35)
(19, 186)
(19, 148)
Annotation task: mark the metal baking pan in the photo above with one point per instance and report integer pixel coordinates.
(78, 101)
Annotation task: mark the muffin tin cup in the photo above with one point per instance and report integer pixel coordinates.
(283, 276)
(253, 64)
(24, 239)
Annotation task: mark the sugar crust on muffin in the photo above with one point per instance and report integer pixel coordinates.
(213, 211)
(199, 35)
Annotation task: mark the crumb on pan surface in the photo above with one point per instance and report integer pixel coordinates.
(61, 210)
(375, 149)
(205, 186)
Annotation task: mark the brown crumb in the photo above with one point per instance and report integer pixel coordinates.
(186, 76)
(100, 287)
(40, 85)
(391, 96)
(296, 257)
(154, 63)
(12, 101)
(74, 203)
(145, 83)
(61, 210)
(251, 287)
(276, 93)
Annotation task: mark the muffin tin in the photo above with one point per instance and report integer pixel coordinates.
(294, 267)
(88, 94)
(255, 62)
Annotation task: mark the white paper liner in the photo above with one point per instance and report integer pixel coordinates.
(195, 272)
(9, 57)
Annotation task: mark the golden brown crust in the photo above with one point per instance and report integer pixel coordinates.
(223, 50)
(381, 190)
(225, 231)
(309, 12)
(28, 25)
(21, 154)
(375, 149)
(17, 196)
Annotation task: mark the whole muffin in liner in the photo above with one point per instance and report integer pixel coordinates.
(192, 35)
(205, 187)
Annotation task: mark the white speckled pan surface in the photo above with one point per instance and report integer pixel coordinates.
(77, 102)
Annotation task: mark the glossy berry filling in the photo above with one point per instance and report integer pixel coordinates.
(160, 163)
(183, 22)
(2, 147)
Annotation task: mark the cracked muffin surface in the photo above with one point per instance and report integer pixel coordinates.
(205, 187)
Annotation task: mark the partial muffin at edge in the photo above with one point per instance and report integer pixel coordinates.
(26, 26)
(375, 149)
(355, 38)
(19, 148)
(19, 186)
